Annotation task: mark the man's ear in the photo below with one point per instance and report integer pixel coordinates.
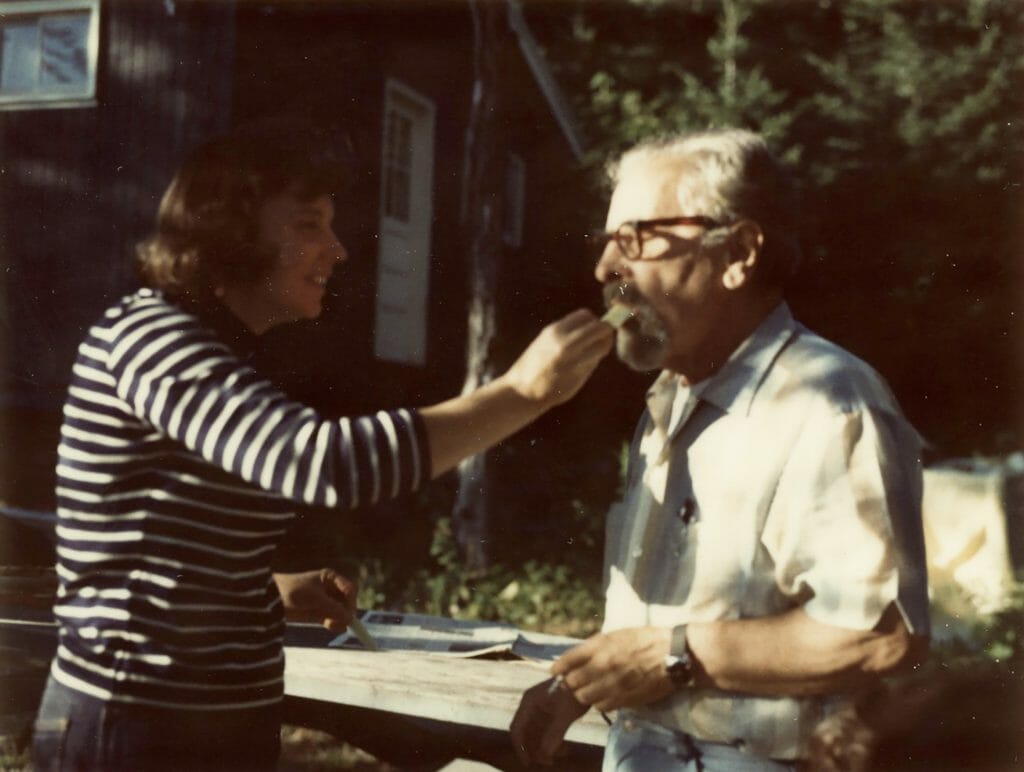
(743, 250)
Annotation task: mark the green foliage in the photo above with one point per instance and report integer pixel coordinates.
(641, 92)
(903, 119)
(998, 637)
(923, 84)
(549, 580)
(557, 589)
(534, 595)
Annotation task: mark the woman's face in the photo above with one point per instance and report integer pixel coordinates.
(307, 249)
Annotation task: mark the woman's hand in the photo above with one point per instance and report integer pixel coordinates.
(550, 371)
(561, 358)
(323, 596)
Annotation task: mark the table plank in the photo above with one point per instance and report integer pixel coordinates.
(471, 692)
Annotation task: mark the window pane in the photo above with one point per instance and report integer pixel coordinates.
(20, 66)
(65, 60)
(397, 165)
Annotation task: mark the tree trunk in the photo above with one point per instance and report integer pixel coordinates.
(481, 181)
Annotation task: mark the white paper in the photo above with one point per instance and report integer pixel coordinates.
(457, 637)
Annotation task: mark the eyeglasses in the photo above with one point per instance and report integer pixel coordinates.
(629, 236)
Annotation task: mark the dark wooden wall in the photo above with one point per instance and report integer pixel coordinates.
(328, 62)
(79, 187)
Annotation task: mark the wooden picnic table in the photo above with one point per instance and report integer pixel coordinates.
(415, 710)
(419, 709)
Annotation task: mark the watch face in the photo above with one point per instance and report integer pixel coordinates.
(680, 671)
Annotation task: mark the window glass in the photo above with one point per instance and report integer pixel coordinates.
(48, 53)
(64, 41)
(397, 165)
(20, 61)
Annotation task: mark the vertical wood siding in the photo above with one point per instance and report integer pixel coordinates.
(78, 188)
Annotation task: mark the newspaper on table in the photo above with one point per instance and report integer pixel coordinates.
(456, 637)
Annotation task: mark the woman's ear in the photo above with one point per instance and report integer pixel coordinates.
(744, 250)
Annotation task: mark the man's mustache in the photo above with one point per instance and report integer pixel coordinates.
(622, 292)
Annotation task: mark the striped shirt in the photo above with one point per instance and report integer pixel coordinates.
(179, 469)
(787, 479)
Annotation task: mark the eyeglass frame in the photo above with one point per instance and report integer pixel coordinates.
(639, 226)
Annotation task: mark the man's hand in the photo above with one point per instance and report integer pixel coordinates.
(323, 596)
(621, 669)
(541, 721)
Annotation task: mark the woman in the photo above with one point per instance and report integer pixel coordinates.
(180, 467)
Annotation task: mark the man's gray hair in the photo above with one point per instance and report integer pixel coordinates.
(729, 175)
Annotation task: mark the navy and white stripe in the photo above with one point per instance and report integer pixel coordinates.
(179, 469)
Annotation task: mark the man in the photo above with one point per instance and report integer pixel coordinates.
(767, 557)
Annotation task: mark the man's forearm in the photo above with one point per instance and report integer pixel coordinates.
(793, 654)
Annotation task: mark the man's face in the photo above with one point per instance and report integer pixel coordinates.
(674, 291)
(301, 234)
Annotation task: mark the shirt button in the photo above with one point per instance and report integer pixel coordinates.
(629, 725)
(637, 552)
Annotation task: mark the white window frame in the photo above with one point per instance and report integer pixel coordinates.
(405, 235)
(81, 95)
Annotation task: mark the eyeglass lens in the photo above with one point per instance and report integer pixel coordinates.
(628, 239)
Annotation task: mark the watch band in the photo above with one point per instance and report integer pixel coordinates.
(679, 663)
(678, 646)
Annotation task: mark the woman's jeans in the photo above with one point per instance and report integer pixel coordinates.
(640, 746)
(76, 732)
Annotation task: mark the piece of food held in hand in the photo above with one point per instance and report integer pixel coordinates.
(616, 316)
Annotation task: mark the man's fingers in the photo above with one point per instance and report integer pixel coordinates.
(576, 657)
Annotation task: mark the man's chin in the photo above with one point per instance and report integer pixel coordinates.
(640, 353)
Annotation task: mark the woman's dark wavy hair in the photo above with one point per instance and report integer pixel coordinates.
(207, 223)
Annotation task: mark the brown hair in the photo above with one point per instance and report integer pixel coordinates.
(207, 222)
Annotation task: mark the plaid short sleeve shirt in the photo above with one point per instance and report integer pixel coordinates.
(789, 478)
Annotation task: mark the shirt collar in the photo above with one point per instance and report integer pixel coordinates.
(734, 387)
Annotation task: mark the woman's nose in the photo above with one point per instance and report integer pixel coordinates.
(336, 249)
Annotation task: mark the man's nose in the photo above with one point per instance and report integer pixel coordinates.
(611, 265)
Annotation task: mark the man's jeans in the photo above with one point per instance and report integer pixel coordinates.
(640, 746)
(76, 732)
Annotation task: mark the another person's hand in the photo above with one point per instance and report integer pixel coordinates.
(323, 596)
(561, 358)
(541, 721)
(621, 669)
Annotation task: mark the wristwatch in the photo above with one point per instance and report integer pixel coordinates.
(679, 661)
